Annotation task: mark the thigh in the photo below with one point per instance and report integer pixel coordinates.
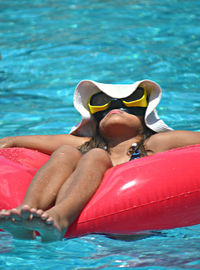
(97, 159)
(87, 175)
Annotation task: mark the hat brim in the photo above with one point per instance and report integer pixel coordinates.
(86, 88)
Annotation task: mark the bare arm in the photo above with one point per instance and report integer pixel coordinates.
(44, 143)
(161, 142)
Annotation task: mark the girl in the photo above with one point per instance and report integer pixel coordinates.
(119, 123)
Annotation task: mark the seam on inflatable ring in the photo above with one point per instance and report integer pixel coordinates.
(142, 205)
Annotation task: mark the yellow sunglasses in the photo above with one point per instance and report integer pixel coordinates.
(101, 102)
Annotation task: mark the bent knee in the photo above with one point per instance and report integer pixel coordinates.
(99, 156)
(66, 152)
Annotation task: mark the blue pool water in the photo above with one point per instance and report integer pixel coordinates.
(47, 47)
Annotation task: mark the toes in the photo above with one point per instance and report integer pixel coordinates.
(39, 213)
(4, 214)
(44, 216)
(15, 215)
(25, 214)
(32, 214)
(12, 215)
(26, 206)
(50, 221)
(28, 213)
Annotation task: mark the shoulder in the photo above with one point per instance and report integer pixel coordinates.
(164, 141)
(78, 140)
(69, 139)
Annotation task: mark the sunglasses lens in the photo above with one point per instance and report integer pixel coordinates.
(138, 94)
(99, 99)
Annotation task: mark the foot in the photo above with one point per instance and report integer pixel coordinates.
(11, 221)
(44, 222)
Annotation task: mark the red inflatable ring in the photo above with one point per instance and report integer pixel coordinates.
(158, 192)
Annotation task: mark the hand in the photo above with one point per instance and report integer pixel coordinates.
(7, 142)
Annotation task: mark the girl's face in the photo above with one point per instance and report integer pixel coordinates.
(100, 104)
(121, 124)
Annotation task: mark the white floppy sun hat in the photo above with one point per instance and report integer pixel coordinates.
(86, 88)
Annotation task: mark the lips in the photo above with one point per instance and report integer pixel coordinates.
(115, 111)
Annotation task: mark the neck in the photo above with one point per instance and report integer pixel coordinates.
(119, 149)
(117, 134)
(114, 142)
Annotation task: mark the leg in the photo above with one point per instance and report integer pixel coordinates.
(73, 196)
(42, 191)
(49, 179)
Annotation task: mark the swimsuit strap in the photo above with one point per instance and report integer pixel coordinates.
(136, 154)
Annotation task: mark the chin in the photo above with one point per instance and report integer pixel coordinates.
(120, 123)
(117, 129)
(119, 117)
